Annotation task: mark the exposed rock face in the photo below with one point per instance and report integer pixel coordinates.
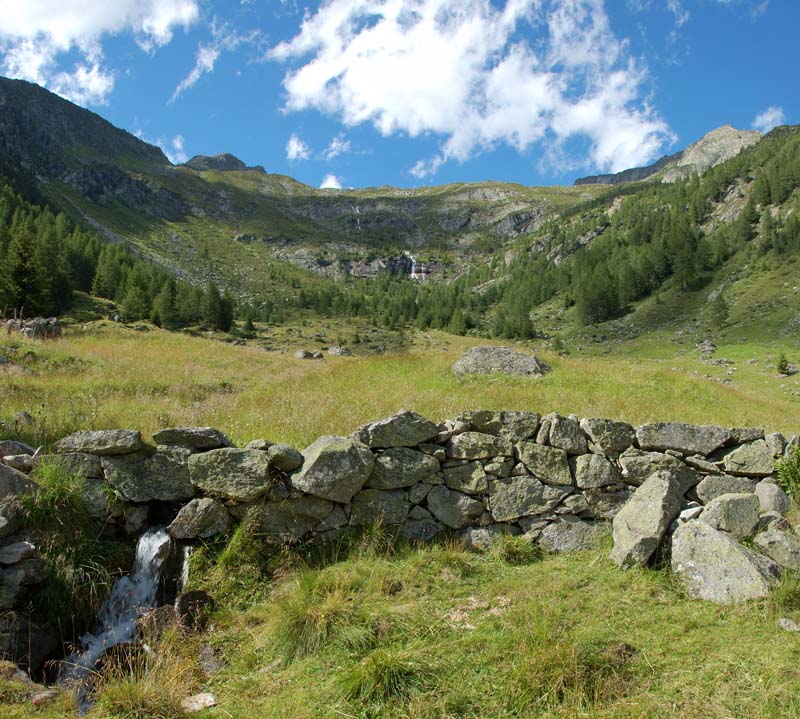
(221, 163)
(162, 475)
(200, 438)
(499, 360)
(203, 517)
(238, 474)
(684, 438)
(467, 478)
(513, 426)
(715, 567)
(335, 468)
(399, 467)
(549, 464)
(736, 514)
(637, 466)
(641, 523)
(77, 464)
(104, 442)
(772, 498)
(404, 429)
(570, 534)
(25, 643)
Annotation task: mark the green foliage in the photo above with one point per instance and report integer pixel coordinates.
(788, 471)
(719, 311)
(516, 550)
(782, 365)
(384, 674)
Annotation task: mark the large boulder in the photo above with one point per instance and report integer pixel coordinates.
(404, 429)
(548, 464)
(637, 466)
(374, 506)
(684, 438)
(14, 483)
(145, 476)
(736, 514)
(511, 425)
(753, 459)
(607, 436)
(714, 566)
(499, 360)
(284, 457)
(334, 468)
(296, 517)
(202, 517)
(476, 445)
(238, 474)
(104, 442)
(453, 509)
(640, 525)
(516, 497)
(781, 545)
(570, 534)
(772, 498)
(594, 470)
(716, 485)
(399, 467)
(199, 438)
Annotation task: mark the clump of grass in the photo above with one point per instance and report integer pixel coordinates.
(318, 608)
(58, 498)
(786, 596)
(516, 550)
(143, 685)
(557, 672)
(788, 471)
(385, 673)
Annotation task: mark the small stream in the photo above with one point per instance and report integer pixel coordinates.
(130, 597)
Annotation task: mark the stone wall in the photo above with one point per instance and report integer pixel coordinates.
(559, 481)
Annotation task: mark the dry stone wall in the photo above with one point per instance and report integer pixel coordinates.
(563, 482)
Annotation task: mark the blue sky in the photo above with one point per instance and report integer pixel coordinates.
(358, 93)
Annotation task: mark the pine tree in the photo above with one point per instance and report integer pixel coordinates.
(22, 277)
(165, 312)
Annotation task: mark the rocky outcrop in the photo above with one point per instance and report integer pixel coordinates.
(105, 442)
(499, 360)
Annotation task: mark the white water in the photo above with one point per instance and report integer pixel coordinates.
(130, 597)
(413, 266)
(357, 211)
(187, 553)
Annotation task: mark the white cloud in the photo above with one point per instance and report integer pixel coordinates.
(35, 33)
(330, 182)
(339, 146)
(769, 118)
(224, 39)
(462, 69)
(680, 13)
(296, 149)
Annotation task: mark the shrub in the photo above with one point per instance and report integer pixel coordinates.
(788, 471)
(783, 364)
(517, 550)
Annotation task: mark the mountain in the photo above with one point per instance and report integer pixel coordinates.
(216, 217)
(709, 151)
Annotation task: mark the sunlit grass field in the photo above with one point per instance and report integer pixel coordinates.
(108, 376)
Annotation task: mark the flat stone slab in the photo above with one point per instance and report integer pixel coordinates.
(104, 442)
(404, 429)
(754, 459)
(476, 445)
(516, 497)
(399, 467)
(200, 438)
(145, 476)
(548, 464)
(453, 509)
(238, 474)
(684, 438)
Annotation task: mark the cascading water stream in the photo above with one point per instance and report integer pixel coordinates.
(413, 266)
(130, 597)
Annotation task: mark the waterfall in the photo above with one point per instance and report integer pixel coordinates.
(187, 553)
(413, 275)
(357, 212)
(130, 597)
